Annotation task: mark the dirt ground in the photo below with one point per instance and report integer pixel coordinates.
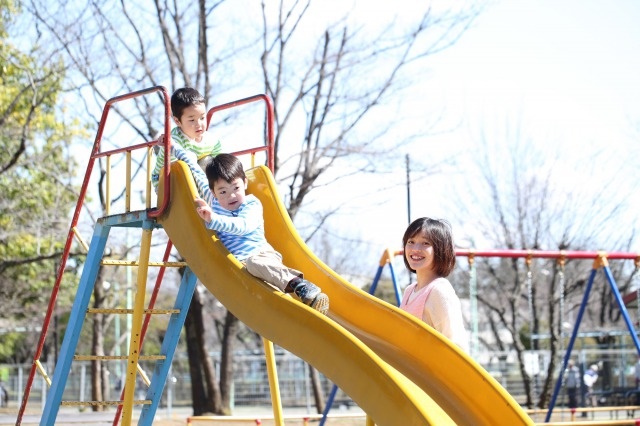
(178, 417)
(329, 422)
(340, 418)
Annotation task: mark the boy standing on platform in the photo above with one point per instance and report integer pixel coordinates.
(190, 115)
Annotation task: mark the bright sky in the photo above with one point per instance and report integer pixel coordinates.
(569, 65)
(568, 71)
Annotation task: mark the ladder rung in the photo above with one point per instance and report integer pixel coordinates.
(43, 372)
(136, 263)
(130, 311)
(97, 403)
(116, 357)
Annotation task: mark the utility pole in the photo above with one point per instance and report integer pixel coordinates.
(408, 189)
(406, 158)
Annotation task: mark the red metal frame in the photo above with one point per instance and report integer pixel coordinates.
(547, 254)
(152, 213)
(270, 132)
(95, 153)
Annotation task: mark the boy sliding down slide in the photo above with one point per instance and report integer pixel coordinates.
(238, 220)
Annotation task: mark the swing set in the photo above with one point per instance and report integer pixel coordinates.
(600, 261)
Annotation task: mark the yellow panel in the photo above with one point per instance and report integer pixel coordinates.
(465, 390)
(383, 393)
(393, 366)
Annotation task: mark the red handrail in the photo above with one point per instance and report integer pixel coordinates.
(95, 153)
(270, 132)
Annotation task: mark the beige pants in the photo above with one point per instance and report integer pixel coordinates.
(267, 265)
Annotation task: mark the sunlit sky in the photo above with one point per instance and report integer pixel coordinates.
(570, 66)
(567, 71)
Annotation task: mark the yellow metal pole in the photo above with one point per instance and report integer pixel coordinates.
(148, 186)
(107, 202)
(127, 198)
(276, 401)
(136, 328)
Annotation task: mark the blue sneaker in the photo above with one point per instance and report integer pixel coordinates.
(311, 295)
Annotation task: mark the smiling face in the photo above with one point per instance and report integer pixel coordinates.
(193, 121)
(429, 242)
(418, 252)
(230, 195)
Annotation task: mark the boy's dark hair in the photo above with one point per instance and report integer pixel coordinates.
(226, 167)
(438, 232)
(183, 98)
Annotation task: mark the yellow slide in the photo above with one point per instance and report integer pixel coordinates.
(383, 393)
(367, 347)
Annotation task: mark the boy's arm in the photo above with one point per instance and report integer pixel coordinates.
(198, 175)
(248, 220)
(176, 138)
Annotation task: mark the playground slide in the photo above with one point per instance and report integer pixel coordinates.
(383, 393)
(363, 341)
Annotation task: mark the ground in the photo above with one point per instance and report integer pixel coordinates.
(179, 416)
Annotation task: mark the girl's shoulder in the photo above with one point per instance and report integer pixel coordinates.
(410, 287)
(443, 286)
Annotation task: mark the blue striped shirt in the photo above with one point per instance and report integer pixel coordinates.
(241, 230)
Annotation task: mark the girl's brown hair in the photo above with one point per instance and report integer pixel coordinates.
(438, 232)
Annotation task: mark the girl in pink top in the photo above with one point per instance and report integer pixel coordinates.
(429, 253)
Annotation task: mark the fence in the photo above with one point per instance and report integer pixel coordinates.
(251, 386)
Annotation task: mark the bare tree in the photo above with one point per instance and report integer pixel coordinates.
(347, 77)
(523, 200)
(341, 85)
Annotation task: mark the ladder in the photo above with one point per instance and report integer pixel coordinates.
(125, 217)
(95, 261)
(81, 308)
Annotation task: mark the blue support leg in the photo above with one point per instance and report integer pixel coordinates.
(74, 327)
(169, 344)
(574, 335)
(623, 308)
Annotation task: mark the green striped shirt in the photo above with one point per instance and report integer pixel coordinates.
(208, 146)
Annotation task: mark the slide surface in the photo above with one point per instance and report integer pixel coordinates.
(397, 369)
(383, 393)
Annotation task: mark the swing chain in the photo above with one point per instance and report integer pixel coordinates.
(561, 263)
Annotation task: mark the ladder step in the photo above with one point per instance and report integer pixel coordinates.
(102, 403)
(136, 263)
(116, 357)
(130, 311)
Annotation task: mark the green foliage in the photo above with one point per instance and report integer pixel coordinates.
(9, 345)
(8, 9)
(37, 181)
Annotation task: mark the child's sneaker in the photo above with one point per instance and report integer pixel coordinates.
(311, 295)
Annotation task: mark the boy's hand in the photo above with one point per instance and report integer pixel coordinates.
(160, 140)
(203, 210)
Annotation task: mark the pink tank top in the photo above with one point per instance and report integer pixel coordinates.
(416, 306)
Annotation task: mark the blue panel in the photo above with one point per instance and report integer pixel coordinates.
(76, 320)
(169, 344)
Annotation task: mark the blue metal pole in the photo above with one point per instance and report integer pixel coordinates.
(372, 290)
(396, 288)
(74, 327)
(169, 344)
(623, 308)
(374, 284)
(332, 395)
(567, 354)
